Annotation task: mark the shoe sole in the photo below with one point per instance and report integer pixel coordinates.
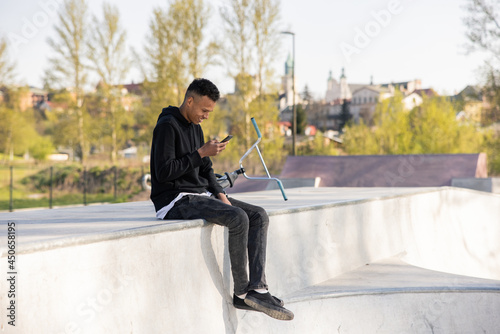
(275, 312)
(244, 308)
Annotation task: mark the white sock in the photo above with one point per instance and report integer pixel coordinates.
(241, 296)
(261, 290)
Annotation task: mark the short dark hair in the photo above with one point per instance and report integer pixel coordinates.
(203, 87)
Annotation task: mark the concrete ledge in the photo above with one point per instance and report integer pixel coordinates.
(295, 183)
(489, 184)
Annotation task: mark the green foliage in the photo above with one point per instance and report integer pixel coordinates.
(392, 126)
(359, 139)
(177, 51)
(63, 176)
(345, 115)
(67, 65)
(99, 180)
(18, 128)
(301, 119)
(431, 128)
(106, 47)
(265, 28)
(318, 145)
(492, 144)
(41, 148)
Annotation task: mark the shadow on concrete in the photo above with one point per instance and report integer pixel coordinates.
(220, 279)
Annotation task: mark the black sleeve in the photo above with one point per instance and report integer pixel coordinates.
(207, 172)
(167, 165)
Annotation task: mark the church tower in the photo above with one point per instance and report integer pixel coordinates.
(345, 92)
(286, 96)
(333, 89)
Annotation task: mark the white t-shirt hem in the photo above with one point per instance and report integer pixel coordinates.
(160, 214)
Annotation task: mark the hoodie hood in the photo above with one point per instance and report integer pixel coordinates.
(174, 111)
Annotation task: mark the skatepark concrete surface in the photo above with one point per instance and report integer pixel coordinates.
(345, 260)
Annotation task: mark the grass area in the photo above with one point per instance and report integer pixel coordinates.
(31, 186)
(60, 200)
(19, 173)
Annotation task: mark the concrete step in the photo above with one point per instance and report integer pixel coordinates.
(392, 275)
(389, 296)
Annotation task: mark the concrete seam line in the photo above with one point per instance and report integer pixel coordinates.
(382, 293)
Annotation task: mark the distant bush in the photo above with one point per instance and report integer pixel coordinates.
(99, 180)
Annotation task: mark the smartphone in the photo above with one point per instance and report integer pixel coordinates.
(228, 138)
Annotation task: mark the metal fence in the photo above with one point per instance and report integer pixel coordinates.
(90, 185)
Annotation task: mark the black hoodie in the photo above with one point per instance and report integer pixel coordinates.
(176, 165)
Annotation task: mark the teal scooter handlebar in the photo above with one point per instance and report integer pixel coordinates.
(256, 147)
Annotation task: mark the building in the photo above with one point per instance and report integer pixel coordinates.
(286, 96)
(405, 87)
(363, 98)
(471, 102)
(29, 97)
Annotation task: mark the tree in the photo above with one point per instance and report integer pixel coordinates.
(345, 114)
(492, 92)
(17, 128)
(6, 65)
(106, 47)
(250, 31)
(483, 26)
(265, 21)
(430, 128)
(483, 33)
(236, 16)
(306, 95)
(176, 52)
(360, 139)
(68, 63)
(436, 130)
(108, 56)
(301, 119)
(319, 145)
(392, 126)
(192, 16)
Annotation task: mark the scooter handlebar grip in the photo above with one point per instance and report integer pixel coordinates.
(256, 128)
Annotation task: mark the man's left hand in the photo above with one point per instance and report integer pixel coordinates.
(223, 198)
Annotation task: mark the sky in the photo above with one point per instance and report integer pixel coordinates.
(387, 40)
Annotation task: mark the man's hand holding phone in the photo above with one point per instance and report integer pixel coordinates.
(213, 147)
(228, 138)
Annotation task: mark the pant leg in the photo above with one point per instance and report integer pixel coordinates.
(215, 211)
(257, 242)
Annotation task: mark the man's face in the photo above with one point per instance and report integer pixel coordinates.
(198, 108)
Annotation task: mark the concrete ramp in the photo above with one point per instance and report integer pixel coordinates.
(426, 170)
(345, 260)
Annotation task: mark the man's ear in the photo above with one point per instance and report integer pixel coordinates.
(189, 100)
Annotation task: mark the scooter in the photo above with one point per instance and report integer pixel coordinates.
(227, 180)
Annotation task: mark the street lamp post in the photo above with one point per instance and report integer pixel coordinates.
(294, 111)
